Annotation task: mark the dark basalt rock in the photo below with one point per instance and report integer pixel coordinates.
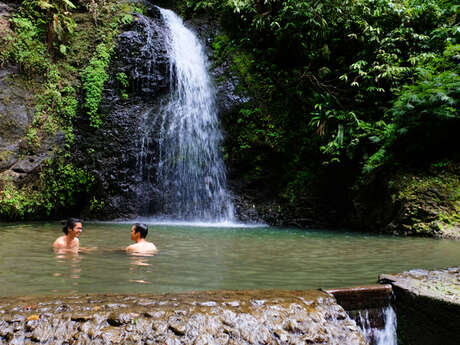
(21, 159)
(116, 153)
(228, 99)
(141, 55)
(113, 151)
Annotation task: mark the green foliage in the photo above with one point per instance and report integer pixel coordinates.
(336, 83)
(53, 17)
(32, 138)
(53, 73)
(299, 185)
(26, 48)
(425, 109)
(122, 79)
(96, 205)
(57, 106)
(59, 188)
(93, 77)
(16, 204)
(56, 98)
(64, 185)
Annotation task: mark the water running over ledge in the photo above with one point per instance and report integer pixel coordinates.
(191, 177)
(379, 336)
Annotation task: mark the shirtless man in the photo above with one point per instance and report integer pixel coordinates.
(72, 229)
(138, 234)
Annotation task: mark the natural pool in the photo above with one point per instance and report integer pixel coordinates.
(207, 258)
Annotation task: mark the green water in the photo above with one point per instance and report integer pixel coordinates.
(204, 258)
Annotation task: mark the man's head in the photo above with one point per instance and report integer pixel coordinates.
(140, 230)
(73, 224)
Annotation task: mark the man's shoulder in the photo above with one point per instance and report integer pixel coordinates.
(149, 245)
(134, 247)
(131, 246)
(59, 241)
(142, 247)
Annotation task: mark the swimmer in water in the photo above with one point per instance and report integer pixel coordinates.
(72, 230)
(138, 234)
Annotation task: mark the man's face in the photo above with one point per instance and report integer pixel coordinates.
(133, 233)
(77, 229)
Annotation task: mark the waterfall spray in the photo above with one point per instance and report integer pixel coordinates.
(191, 174)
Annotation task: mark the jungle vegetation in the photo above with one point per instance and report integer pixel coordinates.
(341, 89)
(62, 48)
(337, 90)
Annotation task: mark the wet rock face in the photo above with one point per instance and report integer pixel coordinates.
(141, 55)
(228, 99)
(6, 10)
(255, 317)
(20, 160)
(120, 154)
(111, 152)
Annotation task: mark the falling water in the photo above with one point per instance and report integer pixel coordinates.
(384, 336)
(191, 173)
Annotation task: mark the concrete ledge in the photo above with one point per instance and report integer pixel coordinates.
(362, 297)
(368, 300)
(427, 306)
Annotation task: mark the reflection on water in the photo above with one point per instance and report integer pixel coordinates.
(206, 259)
(139, 262)
(68, 267)
(139, 266)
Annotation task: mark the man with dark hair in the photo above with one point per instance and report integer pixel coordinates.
(138, 234)
(72, 229)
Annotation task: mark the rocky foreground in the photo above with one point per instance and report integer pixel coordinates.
(223, 317)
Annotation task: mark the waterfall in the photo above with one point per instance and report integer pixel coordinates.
(191, 177)
(379, 336)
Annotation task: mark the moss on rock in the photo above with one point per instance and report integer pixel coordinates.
(412, 203)
(39, 93)
(430, 202)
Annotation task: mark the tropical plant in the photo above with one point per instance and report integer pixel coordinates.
(55, 17)
(345, 84)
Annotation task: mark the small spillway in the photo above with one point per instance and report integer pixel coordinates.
(384, 335)
(191, 176)
(371, 309)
